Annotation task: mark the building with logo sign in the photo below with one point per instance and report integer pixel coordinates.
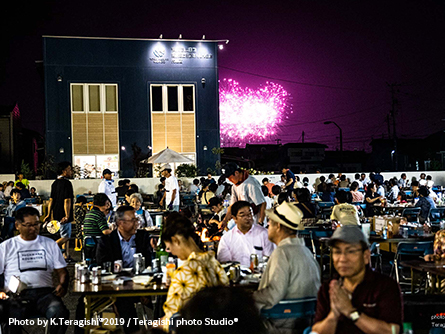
(105, 95)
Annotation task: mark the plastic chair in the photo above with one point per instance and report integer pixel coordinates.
(377, 256)
(292, 308)
(345, 189)
(325, 209)
(411, 214)
(409, 249)
(436, 215)
(30, 200)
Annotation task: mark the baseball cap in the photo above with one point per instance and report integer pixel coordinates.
(165, 166)
(348, 234)
(229, 169)
(106, 171)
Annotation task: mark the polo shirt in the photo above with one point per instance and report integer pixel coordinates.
(378, 296)
(94, 223)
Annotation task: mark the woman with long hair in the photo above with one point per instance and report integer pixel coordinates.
(199, 270)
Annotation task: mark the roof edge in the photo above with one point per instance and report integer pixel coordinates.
(142, 39)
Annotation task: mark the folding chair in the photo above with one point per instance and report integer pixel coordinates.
(409, 250)
(411, 214)
(376, 256)
(325, 209)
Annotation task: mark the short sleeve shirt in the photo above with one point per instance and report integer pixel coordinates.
(32, 261)
(378, 296)
(171, 183)
(94, 223)
(61, 189)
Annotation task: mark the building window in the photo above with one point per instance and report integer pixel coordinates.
(95, 127)
(173, 117)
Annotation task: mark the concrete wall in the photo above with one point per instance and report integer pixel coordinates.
(148, 185)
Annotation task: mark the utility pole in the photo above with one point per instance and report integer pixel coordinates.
(393, 113)
(389, 126)
(302, 137)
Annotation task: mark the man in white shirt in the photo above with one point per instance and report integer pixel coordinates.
(422, 181)
(429, 182)
(245, 188)
(171, 195)
(403, 181)
(245, 238)
(33, 259)
(358, 180)
(365, 180)
(107, 187)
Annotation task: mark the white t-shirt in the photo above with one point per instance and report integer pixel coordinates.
(107, 187)
(32, 261)
(429, 184)
(171, 183)
(250, 191)
(422, 182)
(346, 214)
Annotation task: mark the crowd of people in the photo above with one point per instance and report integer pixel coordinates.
(252, 218)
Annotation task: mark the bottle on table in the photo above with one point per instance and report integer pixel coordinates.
(171, 267)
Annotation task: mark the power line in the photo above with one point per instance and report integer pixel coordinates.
(299, 82)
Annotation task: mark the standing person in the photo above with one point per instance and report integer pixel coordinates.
(8, 188)
(269, 185)
(60, 205)
(373, 201)
(245, 188)
(365, 180)
(171, 195)
(290, 180)
(360, 300)
(107, 187)
(394, 192)
(357, 179)
(291, 271)
(22, 180)
(425, 203)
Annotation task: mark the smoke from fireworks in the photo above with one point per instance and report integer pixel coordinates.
(248, 115)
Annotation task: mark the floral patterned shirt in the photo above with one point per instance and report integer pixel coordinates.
(439, 245)
(199, 271)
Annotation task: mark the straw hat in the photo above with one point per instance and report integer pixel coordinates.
(288, 215)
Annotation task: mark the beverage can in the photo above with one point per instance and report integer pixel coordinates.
(95, 275)
(170, 269)
(85, 275)
(138, 263)
(253, 262)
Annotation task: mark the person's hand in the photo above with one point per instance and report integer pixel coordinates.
(429, 257)
(340, 299)
(46, 218)
(161, 202)
(170, 207)
(3, 295)
(153, 242)
(64, 220)
(60, 291)
(222, 225)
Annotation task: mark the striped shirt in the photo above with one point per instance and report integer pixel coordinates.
(94, 223)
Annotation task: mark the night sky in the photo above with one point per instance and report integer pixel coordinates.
(335, 58)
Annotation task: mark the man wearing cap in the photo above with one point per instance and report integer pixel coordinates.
(171, 194)
(291, 271)
(360, 300)
(107, 187)
(245, 188)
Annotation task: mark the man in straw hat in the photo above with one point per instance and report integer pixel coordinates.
(361, 300)
(291, 271)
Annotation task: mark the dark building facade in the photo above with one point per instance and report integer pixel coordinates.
(104, 95)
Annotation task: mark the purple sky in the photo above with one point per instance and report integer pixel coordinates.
(353, 47)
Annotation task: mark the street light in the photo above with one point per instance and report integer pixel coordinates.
(341, 141)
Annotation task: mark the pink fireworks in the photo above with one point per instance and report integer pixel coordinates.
(248, 115)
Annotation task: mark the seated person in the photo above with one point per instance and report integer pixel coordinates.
(269, 185)
(344, 183)
(394, 192)
(24, 192)
(194, 187)
(414, 188)
(128, 194)
(2, 194)
(218, 209)
(209, 194)
(142, 215)
(425, 203)
(121, 189)
(240, 242)
(373, 201)
(276, 191)
(321, 185)
(36, 272)
(159, 195)
(95, 223)
(360, 300)
(199, 270)
(9, 221)
(33, 192)
(134, 187)
(122, 244)
(344, 212)
(303, 202)
(357, 196)
(327, 195)
(291, 271)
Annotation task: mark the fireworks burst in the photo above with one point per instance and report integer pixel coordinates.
(248, 115)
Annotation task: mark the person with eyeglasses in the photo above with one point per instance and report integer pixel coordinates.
(245, 238)
(360, 300)
(121, 244)
(33, 259)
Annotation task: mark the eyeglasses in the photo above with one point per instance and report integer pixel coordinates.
(134, 220)
(30, 225)
(347, 253)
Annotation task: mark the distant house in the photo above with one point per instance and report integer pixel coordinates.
(304, 156)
